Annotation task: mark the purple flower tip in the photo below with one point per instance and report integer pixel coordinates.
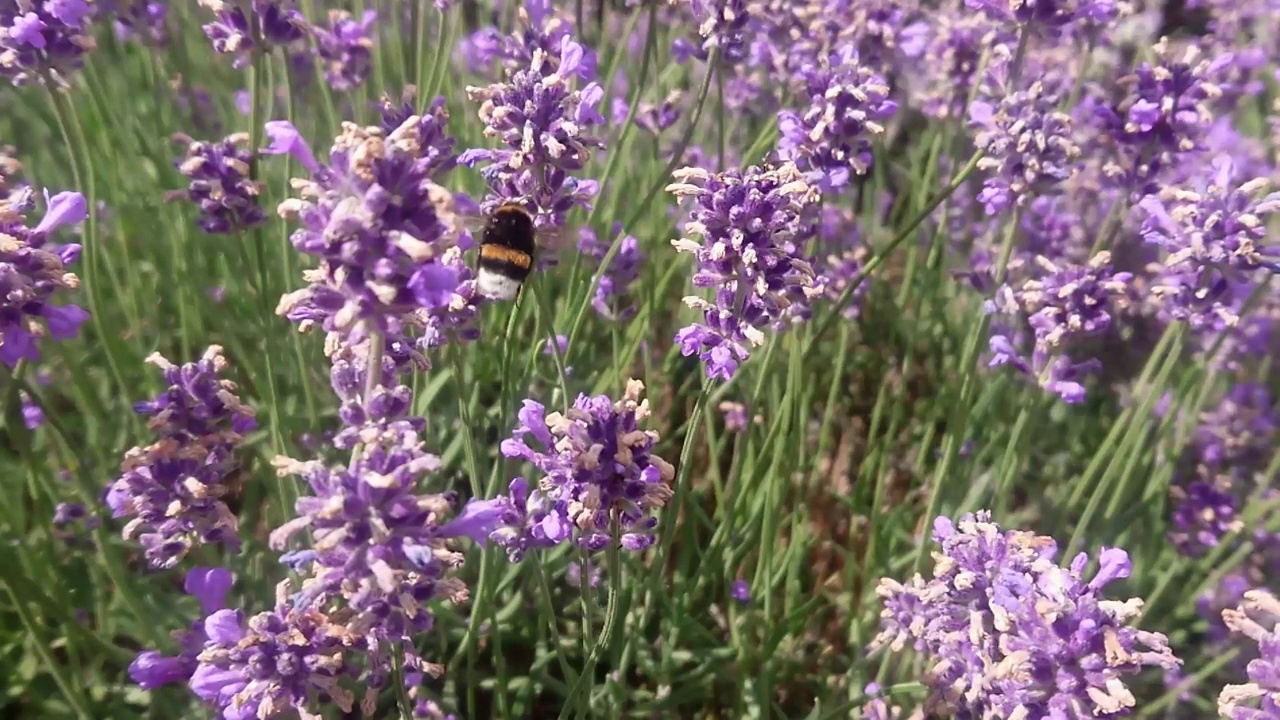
(286, 140)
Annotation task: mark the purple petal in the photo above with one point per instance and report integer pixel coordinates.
(286, 140)
(209, 586)
(65, 208)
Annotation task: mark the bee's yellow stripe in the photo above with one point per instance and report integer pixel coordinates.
(501, 253)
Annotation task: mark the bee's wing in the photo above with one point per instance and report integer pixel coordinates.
(552, 240)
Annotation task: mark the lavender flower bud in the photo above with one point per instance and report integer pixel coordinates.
(39, 39)
(1027, 143)
(611, 300)
(599, 473)
(1237, 702)
(345, 47)
(272, 23)
(220, 184)
(545, 125)
(151, 669)
(32, 272)
(145, 21)
(173, 489)
(998, 609)
(378, 222)
(724, 26)
(831, 139)
(746, 220)
(540, 26)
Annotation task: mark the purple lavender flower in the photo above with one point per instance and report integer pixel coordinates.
(611, 300)
(345, 47)
(840, 234)
(146, 21)
(151, 669)
(1027, 144)
(740, 592)
(1062, 307)
(951, 49)
(1163, 115)
(540, 27)
(173, 489)
(220, 184)
(736, 417)
(655, 119)
(999, 612)
(1238, 702)
(545, 125)
(830, 140)
(1047, 15)
(379, 223)
(281, 660)
(725, 28)
(72, 523)
(1210, 236)
(600, 477)
(746, 220)
(44, 39)
(32, 272)
(269, 24)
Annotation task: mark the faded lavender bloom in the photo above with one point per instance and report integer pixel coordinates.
(830, 140)
(278, 662)
(540, 26)
(746, 220)
(1163, 115)
(345, 46)
(655, 119)
(546, 126)
(1222, 469)
(275, 23)
(1258, 699)
(612, 300)
(173, 489)
(44, 39)
(72, 523)
(220, 184)
(146, 21)
(1062, 308)
(574, 574)
(998, 610)
(877, 708)
(601, 481)
(1027, 144)
(740, 591)
(380, 225)
(725, 28)
(1211, 236)
(736, 417)
(151, 669)
(33, 271)
(945, 71)
(846, 251)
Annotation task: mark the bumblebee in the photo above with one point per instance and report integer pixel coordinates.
(507, 244)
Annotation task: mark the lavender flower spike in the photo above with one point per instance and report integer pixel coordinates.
(33, 272)
(1027, 143)
(39, 39)
(1236, 701)
(278, 23)
(831, 138)
(998, 610)
(599, 469)
(345, 49)
(151, 669)
(746, 221)
(173, 489)
(220, 184)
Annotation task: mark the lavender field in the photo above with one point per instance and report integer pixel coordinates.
(887, 360)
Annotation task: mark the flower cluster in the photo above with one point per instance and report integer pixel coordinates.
(1047, 15)
(220, 184)
(948, 59)
(44, 40)
(1238, 702)
(345, 46)
(1062, 307)
(1163, 114)
(830, 140)
(540, 27)
(600, 482)
(747, 220)
(1211, 236)
(1012, 634)
(546, 126)
(611, 300)
(33, 271)
(173, 490)
(151, 669)
(725, 28)
(378, 222)
(1027, 145)
(269, 24)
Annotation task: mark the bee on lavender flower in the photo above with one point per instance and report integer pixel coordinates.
(507, 244)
